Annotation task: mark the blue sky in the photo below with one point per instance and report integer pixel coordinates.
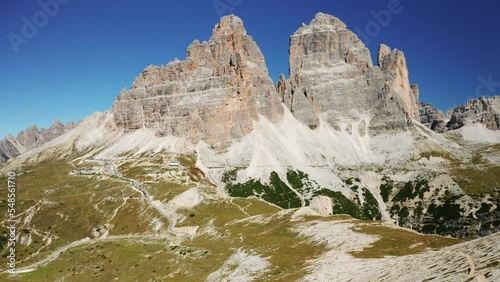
(81, 57)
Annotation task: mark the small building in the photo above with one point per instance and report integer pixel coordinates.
(174, 164)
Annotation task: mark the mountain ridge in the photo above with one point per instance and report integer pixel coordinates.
(30, 138)
(329, 66)
(208, 165)
(336, 118)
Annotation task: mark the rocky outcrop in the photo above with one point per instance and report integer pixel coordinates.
(432, 117)
(30, 138)
(223, 86)
(332, 78)
(393, 64)
(482, 110)
(322, 205)
(55, 130)
(9, 148)
(214, 96)
(448, 113)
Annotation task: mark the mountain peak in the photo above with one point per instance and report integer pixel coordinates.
(393, 63)
(228, 25)
(57, 124)
(386, 55)
(215, 95)
(322, 19)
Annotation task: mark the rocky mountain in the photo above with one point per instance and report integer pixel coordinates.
(338, 127)
(9, 148)
(213, 96)
(31, 138)
(339, 160)
(481, 110)
(432, 117)
(332, 78)
(485, 111)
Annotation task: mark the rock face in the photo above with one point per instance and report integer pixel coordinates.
(432, 117)
(213, 96)
(393, 64)
(30, 138)
(482, 110)
(332, 79)
(9, 148)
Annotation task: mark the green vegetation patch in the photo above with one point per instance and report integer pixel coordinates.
(438, 154)
(276, 192)
(405, 193)
(386, 188)
(473, 181)
(166, 191)
(447, 211)
(187, 160)
(66, 198)
(370, 207)
(68, 207)
(109, 261)
(279, 193)
(411, 190)
(296, 178)
(272, 238)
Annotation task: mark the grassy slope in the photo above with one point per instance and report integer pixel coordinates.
(223, 230)
(399, 242)
(70, 206)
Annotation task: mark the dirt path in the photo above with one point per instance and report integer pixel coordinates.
(135, 185)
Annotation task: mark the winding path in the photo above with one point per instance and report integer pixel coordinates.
(112, 169)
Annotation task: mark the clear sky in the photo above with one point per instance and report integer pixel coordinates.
(85, 52)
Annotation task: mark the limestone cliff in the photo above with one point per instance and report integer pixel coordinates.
(393, 64)
(482, 110)
(214, 95)
(432, 117)
(332, 78)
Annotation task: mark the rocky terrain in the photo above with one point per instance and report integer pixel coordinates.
(432, 117)
(332, 78)
(30, 138)
(213, 96)
(481, 110)
(339, 160)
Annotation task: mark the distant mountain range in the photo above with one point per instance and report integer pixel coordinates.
(30, 138)
(223, 86)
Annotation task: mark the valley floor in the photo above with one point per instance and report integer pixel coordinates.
(138, 220)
